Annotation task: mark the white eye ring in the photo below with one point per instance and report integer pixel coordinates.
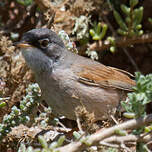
(44, 43)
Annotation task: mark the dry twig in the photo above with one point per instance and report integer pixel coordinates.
(94, 139)
(123, 42)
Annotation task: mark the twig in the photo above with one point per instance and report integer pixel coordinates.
(94, 139)
(79, 123)
(150, 142)
(128, 138)
(145, 134)
(117, 141)
(123, 42)
(123, 146)
(109, 145)
(6, 98)
(62, 125)
(114, 119)
(131, 59)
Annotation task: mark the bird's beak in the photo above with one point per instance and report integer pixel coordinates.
(23, 45)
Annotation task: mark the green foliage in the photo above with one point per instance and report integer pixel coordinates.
(81, 28)
(129, 115)
(120, 132)
(148, 129)
(142, 95)
(2, 104)
(141, 147)
(45, 146)
(136, 104)
(111, 41)
(92, 53)
(150, 20)
(43, 118)
(20, 115)
(25, 2)
(120, 21)
(131, 26)
(68, 43)
(76, 135)
(85, 140)
(97, 33)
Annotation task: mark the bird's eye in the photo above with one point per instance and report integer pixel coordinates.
(44, 42)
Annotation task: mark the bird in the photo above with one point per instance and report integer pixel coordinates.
(68, 80)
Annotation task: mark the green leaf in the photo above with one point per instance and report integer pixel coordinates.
(104, 30)
(120, 132)
(150, 20)
(122, 32)
(98, 29)
(125, 9)
(76, 135)
(137, 16)
(92, 32)
(42, 141)
(133, 3)
(60, 141)
(112, 49)
(120, 21)
(129, 115)
(2, 104)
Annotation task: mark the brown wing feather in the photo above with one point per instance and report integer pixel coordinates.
(105, 77)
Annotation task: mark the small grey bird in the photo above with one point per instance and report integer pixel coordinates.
(68, 80)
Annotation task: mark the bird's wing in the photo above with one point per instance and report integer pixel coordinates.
(104, 76)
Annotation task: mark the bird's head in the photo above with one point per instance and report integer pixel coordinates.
(42, 49)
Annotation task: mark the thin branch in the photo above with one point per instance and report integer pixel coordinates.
(145, 135)
(79, 123)
(131, 59)
(109, 145)
(128, 138)
(123, 146)
(114, 119)
(122, 141)
(94, 139)
(123, 42)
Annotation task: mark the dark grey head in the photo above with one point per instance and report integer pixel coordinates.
(41, 48)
